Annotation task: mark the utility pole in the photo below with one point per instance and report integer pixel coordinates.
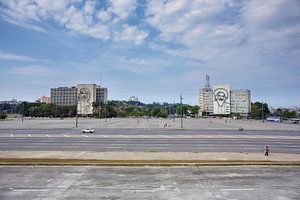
(262, 110)
(174, 111)
(105, 111)
(181, 120)
(22, 112)
(76, 120)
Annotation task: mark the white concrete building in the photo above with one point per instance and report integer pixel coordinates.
(240, 102)
(83, 95)
(206, 106)
(221, 99)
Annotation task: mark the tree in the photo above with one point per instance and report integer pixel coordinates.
(259, 110)
(3, 116)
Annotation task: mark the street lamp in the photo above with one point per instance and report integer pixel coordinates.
(76, 119)
(181, 119)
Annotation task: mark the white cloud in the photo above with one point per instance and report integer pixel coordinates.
(9, 56)
(122, 8)
(79, 17)
(104, 15)
(131, 33)
(209, 30)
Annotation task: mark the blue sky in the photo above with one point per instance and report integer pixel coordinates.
(152, 49)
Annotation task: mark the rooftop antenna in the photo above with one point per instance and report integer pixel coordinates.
(207, 84)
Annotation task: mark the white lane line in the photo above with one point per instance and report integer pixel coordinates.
(11, 135)
(144, 136)
(29, 190)
(47, 135)
(49, 180)
(164, 136)
(102, 135)
(66, 136)
(84, 135)
(123, 136)
(29, 135)
(237, 189)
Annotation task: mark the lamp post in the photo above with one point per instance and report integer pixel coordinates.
(76, 119)
(181, 119)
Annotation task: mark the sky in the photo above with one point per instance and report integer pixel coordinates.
(152, 49)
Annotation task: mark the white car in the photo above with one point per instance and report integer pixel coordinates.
(88, 130)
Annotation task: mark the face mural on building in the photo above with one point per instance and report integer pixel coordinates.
(84, 94)
(221, 95)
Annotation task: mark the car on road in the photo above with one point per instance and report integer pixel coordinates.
(88, 130)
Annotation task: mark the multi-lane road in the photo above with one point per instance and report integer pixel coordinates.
(150, 140)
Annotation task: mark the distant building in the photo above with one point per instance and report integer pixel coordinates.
(206, 105)
(64, 96)
(240, 102)
(220, 100)
(133, 98)
(82, 95)
(10, 102)
(44, 99)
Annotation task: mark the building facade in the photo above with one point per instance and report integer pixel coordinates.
(83, 95)
(240, 102)
(220, 100)
(64, 96)
(206, 106)
(44, 99)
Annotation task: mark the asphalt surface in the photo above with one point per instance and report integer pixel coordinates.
(47, 183)
(150, 140)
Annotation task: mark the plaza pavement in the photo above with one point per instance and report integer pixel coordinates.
(143, 123)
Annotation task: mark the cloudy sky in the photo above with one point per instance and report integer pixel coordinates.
(152, 49)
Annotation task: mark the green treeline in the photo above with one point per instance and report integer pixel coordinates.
(129, 109)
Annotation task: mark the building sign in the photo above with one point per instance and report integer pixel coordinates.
(86, 95)
(221, 99)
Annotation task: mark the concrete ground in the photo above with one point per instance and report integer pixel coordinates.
(150, 156)
(142, 123)
(208, 183)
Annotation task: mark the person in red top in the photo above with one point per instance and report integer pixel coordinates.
(266, 150)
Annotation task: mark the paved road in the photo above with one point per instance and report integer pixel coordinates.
(152, 131)
(45, 183)
(150, 140)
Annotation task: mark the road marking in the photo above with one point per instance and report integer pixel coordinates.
(85, 135)
(66, 136)
(47, 135)
(11, 135)
(29, 135)
(123, 136)
(144, 136)
(237, 189)
(49, 180)
(29, 190)
(104, 135)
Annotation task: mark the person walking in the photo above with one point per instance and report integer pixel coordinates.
(267, 150)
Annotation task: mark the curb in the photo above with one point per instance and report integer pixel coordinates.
(136, 163)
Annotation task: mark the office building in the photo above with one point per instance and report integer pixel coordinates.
(240, 102)
(220, 100)
(44, 99)
(206, 106)
(83, 95)
(64, 96)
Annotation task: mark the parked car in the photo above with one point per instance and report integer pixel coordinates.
(88, 130)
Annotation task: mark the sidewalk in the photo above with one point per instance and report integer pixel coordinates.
(143, 158)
